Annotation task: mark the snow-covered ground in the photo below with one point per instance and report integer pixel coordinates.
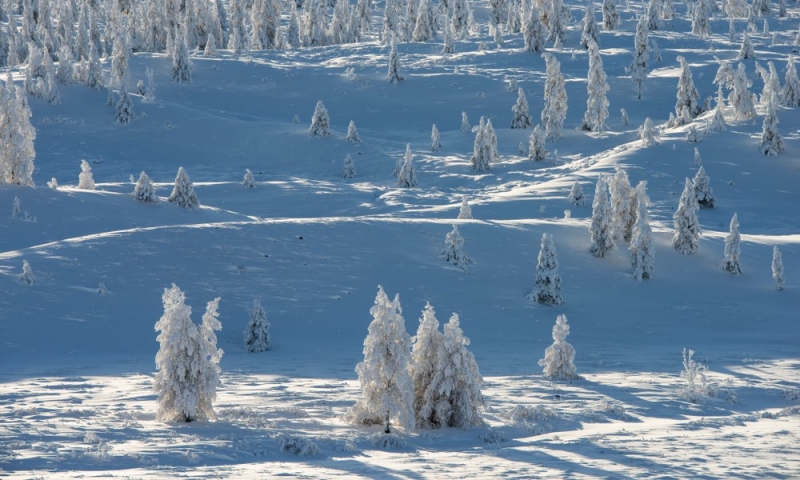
(77, 365)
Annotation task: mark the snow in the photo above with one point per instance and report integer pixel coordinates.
(76, 384)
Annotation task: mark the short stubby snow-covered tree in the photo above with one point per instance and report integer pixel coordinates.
(648, 133)
(771, 140)
(547, 285)
(521, 117)
(256, 335)
(733, 242)
(537, 151)
(407, 177)
(320, 123)
(576, 196)
(602, 224)
(352, 133)
(349, 168)
(145, 191)
(248, 181)
(686, 238)
(687, 95)
(465, 212)
(386, 386)
(85, 179)
(452, 252)
(424, 360)
(702, 189)
(183, 193)
(557, 363)
(27, 277)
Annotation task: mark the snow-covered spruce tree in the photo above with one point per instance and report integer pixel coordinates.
(771, 140)
(256, 335)
(211, 355)
(406, 177)
(491, 141)
(576, 196)
(740, 98)
(686, 238)
(557, 363)
(640, 55)
(452, 252)
(124, 109)
(555, 99)
(624, 115)
(777, 268)
(589, 30)
(534, 32)
(210, 49)
(732, 251)
(65, 73)
(386, 386)
(435, 143)
(702, 189)
(349, 168)
(424, 360)
(746, 50)
(352, 133)
(27, 277)
(602, 224)
(687, 95)
(145, 191)
(642, 249)
(610, 15)
(248, 181)
(692, 135)
(465, 127)
(85, 179)
(181, 64)
(17, 136)
(558, 18)
(465, 212)
(653, 15)
(648, 133)
(522, 118)
(425, 26)
(547, 285)
(320, 123)
(597, 104)
(760, 8)
(183, 193)
(701, 24)
(393, 76)
(481, 156)
(718, 123)
(457, 380)
(459, 20)
(536, 144)
(623, 205)
(448, 43)
(16, 207)
(771, 90)
(790, 95)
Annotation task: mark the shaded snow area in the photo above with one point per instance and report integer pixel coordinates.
(691, 373)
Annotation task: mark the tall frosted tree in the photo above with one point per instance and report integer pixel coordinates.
(425, 26)
(482, 154)
(536, 144)
(790, 94)
(597, 103)
(648, 133)
(386, 386)
(534, 32)
(555, 99)
(453, 249)
(248, 181)
(589, 28)
(17, 136)
(771, 140)
(256, 335)
(393, 76)
(145, 191)
(623, 205)
(211, 355)
(459, 19)
(701, 18)
(320, 123)
(733, 249)
(602, 223)
(702, 189)
(521, 118)
(642, 249)
(183, 192)
(85, 179)
(576, 196)
(610, 15)
(349, 168)
(686, 238)
(424, 360)
(352, 133)
(547, 285)
(740, 98)
(641, 52)
(436, 144)
(557, 363)
(181, 64)
(746, 49)
(406, 177)
(777, 268)
(687, 95)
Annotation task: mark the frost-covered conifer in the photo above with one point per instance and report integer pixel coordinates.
(623, 205)
(448, 43)
(85, 179)
(760, 8)
(459, 20)
(16, 207)
(425, 24)
(733, 242)
(602, 224)
(183, 193)
(555, 99)
(686, 239)
(610, 15)
(642, 249)
(534, 32)
(320, 123)
(349, 168)
(692, 135)
(701, 24)
(452, 252)
(393, 76)
(181, 64)
(145, 191)
(536, 144)
(386, 386)
(687, 94)
(648, 133)
(718, 123)
(435, 143)
(698, 160)
(352, 133)
(66, 71)
(558, 358)
(256, 335)
(406, 177)
(655, 52)
(237, 29)
(652, 14)
(248, 181)
(424, 361)
(771, 140)
(211, 355)
(740, 98)
(640, 55)
(465, 213)
(702, 189)
(624, 115)
(210, 49)
(522, 118)
(777, 268)
(124, 109)
(597, 104)
(27, 277)
(790, 95)
(547, 285)
(481, 155)
(558, 18)
(771, 91)
(576, 196)
(465, 127)
(17, 136)
(589, 29)
(746, 50)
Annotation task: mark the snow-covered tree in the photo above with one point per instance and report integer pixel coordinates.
(641, 52)
(256, 335)
(16, 207)
(746, 50)
(653, 15)
(642, 249)
(124, 113)
(210, 49)
(425, 26)
(534, 32)
(349, 168)
(733, 242)
(453, 249)
(701, 21)
(448, 43)
(522, 118)
(740, 98)
(320, 123)
(557, 363)
(536, 144)
(211, 355)
(435, 143)
(623, 205)
(465, 212)
(27, 277)
(424, 361)
(555, 99)
(702, 189)
(393, 76)
(352, 133)
(406, 177)
(589, 30)
(597, 103)
(771, 140)
(248, 181)
(145, 191)
(576, 196)
(686, 239)
(610, 15)
(85, 179)
(687, 93)
(602, 224)
(624, 115)
(481, 155)
(692, 135)
(17, 136)
(547, 285)
(459, 20)
(465, 127)
(777, 268)
(183, 192)
(386, 386)
(181, 64)
(718, 123)
(760, 8)
(790, 95)
(648, 133)
(558, 18)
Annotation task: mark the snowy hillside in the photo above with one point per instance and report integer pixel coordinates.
(78, 345)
